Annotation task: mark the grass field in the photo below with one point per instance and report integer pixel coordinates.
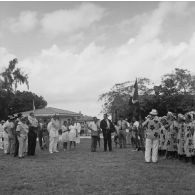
(82, 172)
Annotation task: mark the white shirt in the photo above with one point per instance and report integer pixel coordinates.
(22, 128)
(93, 126)
(72, 128)
(33, 121)
(108, 123)
(8, 127)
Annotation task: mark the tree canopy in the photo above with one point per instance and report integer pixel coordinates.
(14, 101)
(176, 93)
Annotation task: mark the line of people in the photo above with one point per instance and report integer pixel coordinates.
(18, 135)
(130, 133)
(23, 131)
(123, 131)
(170, 136)
(67, 133)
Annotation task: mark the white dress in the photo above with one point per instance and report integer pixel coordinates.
(78, 127)
(65, 134)
(72, 133)
(53, 128)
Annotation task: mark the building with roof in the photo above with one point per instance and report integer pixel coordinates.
(48, 112)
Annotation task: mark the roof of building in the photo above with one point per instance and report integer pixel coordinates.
(49, 111)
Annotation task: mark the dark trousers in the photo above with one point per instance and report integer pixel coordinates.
(45, 143)
(107, 141)
(141, 142)
(40, 136)
(136, 141)
(16, 146)
(98, 140)
(65, 144)
(94, 140)
(32, 138)
(122, 138)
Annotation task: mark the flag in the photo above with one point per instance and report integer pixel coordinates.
(33, 106)
(135, 97)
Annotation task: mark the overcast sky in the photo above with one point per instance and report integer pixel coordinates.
(75, 51)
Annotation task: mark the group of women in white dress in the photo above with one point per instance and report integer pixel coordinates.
(70, 134)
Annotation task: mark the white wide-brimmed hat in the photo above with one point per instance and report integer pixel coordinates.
(154, 112)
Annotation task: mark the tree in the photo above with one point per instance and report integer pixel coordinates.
(13, 76)
(117, 100)
(4, 101)
(23, 101)
(11, 100)
(181, 82)
(176, 93)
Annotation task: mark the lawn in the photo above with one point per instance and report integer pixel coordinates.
(82, 172)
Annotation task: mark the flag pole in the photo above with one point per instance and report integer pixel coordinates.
(33, 106)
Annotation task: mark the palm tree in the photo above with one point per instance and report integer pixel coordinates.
(12, 76)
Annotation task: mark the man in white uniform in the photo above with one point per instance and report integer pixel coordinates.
(8, 136)
(53, 127)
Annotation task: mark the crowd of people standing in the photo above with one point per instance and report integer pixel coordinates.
(169, 136)
(18, 135)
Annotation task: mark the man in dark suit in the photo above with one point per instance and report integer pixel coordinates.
(107, 128)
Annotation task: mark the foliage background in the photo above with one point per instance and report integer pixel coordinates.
(175, 93)
(11, 100)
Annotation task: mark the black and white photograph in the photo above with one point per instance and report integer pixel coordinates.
(97, 97)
